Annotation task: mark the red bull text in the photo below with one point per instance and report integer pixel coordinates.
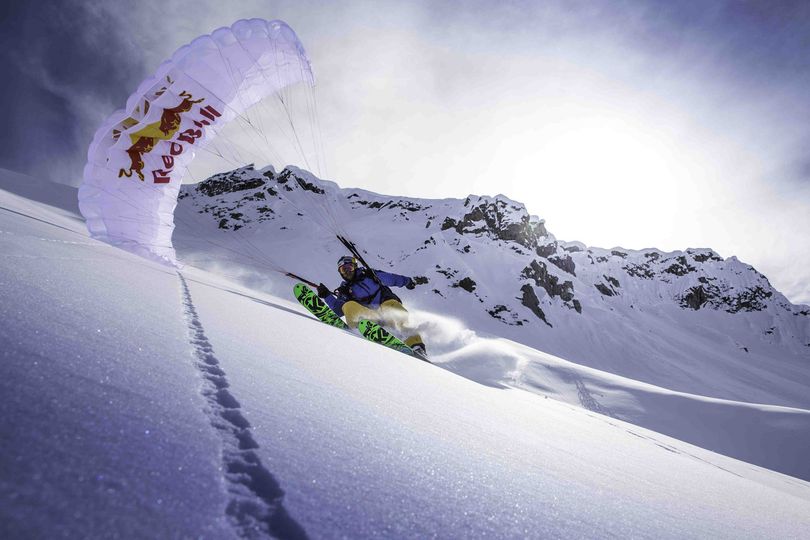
(145, 139)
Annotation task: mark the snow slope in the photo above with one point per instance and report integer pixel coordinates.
(140, 402)
(734, 371)
(690, 321)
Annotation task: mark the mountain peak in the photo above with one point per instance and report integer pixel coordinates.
(488, 260)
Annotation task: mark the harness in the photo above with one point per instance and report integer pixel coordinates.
(345, 289)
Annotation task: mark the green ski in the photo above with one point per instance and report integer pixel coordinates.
(310, 300)
(368, 329)
(376, 333)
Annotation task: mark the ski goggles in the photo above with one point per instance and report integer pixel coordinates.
(347, 269)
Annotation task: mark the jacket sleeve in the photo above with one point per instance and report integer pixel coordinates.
(335, 303)
(392, 280)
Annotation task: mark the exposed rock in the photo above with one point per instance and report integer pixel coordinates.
(604, 289)
(229, 183)
(566, 264)
(639, 270)
(680, 268)
(751, 299)
(530, 300)
(287, 174)
(466, 283)
(308, 186)
(704, 256)
(695, 298)
(499, 220)
(538, 272)
(407, 205)
(448, 272)
(499, 312)
(546, 250)
(540, 228)
(449, 223)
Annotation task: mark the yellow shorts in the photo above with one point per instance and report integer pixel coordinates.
(391, 312)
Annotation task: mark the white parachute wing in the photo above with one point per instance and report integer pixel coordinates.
(138, 157)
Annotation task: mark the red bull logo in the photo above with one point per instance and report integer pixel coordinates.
(144, 140)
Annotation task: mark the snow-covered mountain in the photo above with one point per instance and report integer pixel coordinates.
(689, 320)
(686, 322)
(140, 401)
(549, 278)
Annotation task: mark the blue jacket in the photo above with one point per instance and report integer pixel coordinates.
(364, 290)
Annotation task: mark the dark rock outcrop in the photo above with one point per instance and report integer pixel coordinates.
(604, 289)
(466, 283)
(546, 250)
(695, 298)
(497, 218)
(643, 271)
(287, 174)
(680, 267)
(538, 272)
(565, 263)
(530, 300)
(711, 295)
(229, 182)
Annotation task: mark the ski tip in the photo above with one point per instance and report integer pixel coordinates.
(299, 289)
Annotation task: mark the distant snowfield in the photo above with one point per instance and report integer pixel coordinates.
(145, 403)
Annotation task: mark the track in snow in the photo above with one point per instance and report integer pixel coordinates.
(256, 500)
(586, 398)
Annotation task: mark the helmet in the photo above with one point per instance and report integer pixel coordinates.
(347, 266)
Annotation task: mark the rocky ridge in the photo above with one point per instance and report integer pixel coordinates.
(537, 282)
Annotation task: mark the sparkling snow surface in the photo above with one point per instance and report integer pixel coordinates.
(137, 403)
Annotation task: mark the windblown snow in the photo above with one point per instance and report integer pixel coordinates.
(143, 401)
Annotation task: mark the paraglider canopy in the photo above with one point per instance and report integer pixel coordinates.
(140, 154)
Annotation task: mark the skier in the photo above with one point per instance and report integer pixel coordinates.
(366, 294)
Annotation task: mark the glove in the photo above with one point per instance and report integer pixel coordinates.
(411, 285)
(323, 291)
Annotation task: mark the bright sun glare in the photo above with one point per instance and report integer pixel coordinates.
(620, 162)
(610, 168)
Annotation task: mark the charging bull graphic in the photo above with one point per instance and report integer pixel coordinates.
(144, 140)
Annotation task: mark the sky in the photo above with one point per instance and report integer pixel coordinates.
(624, 123)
